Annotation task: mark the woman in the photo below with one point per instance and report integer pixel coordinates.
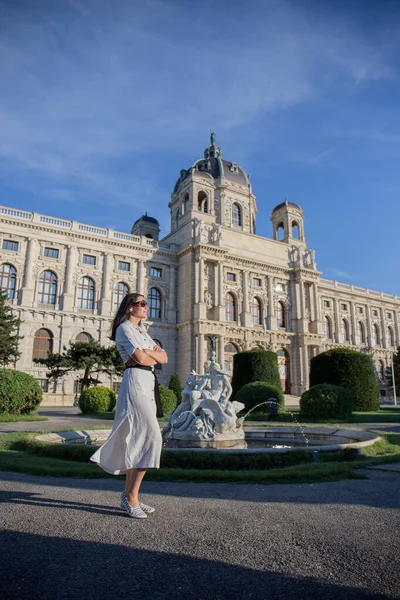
(135, 441)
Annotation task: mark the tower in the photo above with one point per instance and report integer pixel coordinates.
(288, 223)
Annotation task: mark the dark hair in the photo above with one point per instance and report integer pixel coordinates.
(123, 312)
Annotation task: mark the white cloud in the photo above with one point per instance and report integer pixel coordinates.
(99, 82)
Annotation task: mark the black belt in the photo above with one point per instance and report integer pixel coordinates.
(157, 398)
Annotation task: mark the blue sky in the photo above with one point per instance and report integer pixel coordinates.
(103, 102)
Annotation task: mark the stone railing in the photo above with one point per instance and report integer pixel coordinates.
(353, 288)
(99, 232)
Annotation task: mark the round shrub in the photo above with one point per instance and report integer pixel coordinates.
(256, 392)
(326, 401)
(19, 392)
(97, 399)
(255, 365)
(350, 369)
(169, 401)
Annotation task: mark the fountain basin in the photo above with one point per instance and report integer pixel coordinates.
(319, 439)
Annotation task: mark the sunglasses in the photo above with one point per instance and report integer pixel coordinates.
(141, 303)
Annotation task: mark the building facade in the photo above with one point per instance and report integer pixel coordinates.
(212, 276)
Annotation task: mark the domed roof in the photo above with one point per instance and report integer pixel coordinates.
(286, 203)
(145, 217)
(213, 167)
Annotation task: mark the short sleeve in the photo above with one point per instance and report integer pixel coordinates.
(125, 343)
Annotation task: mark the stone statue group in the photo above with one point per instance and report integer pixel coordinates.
(206, 417)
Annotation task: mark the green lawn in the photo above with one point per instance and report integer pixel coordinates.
(33, 416)
(21, 453)
(387, 414)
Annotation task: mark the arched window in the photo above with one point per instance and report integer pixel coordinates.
(256, 311)
(154, 300)
(86, 289)
(345, 331)
(120, 291)
(236, 215)
(158, 367)
(202, 201)
(8, 280)
(84, 337)
(47, 290)
(295, 230)
(390, 338)
(361, 332)
(280, 232)
(230, 307)
(42, 344)
(185, 206)
(327, 328)
(280, 315)
(376, 338)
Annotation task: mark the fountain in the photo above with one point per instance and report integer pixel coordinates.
(206, 418)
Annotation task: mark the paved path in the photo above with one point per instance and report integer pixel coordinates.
(67, 539)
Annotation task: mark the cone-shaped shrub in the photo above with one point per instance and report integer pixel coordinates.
(255, 365)
(351, 370)
(97, 399)
(169, 401)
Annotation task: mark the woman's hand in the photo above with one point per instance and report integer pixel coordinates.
(157, 348)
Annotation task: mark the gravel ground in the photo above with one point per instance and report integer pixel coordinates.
(67, 538)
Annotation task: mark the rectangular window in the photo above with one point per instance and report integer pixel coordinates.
(88, 259)
(155, 272)
(327, 303)
(360, 310)
(257, 281)
(280, 287)
(343, 306)
(231, 276)
(10, 245)
(51, 252)
(374, 313)
(44, 384)
(389, 315)
(124, 266)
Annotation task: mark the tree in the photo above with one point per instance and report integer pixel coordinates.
(9, 338)
(175, 385)
(90, 357)
(396, 369)
(255, 365)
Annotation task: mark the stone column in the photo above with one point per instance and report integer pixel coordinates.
(221, 297)
(353, 336)
(337, 329)
(105, 300)
(200, 354)
(369, 325)
(201, 280)
(172, 295)
(196, 281)
(384, 328)
(305, 367)
(28, 285)
(68, 292)
(140, 276)
(246, 316)
(396, 328)
(317, 313)
(271, 311)
(221, 350)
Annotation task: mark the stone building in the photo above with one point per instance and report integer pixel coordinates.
(212, 276)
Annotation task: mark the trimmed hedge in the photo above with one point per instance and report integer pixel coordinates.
(20, 393)
(97, 399)
(169, 401)
(255, 365)
(326, 401)
(256, 392)
(350, 369)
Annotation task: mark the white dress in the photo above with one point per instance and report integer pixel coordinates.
(135, 440)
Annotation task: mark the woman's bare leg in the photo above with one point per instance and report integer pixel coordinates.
(133, 480)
